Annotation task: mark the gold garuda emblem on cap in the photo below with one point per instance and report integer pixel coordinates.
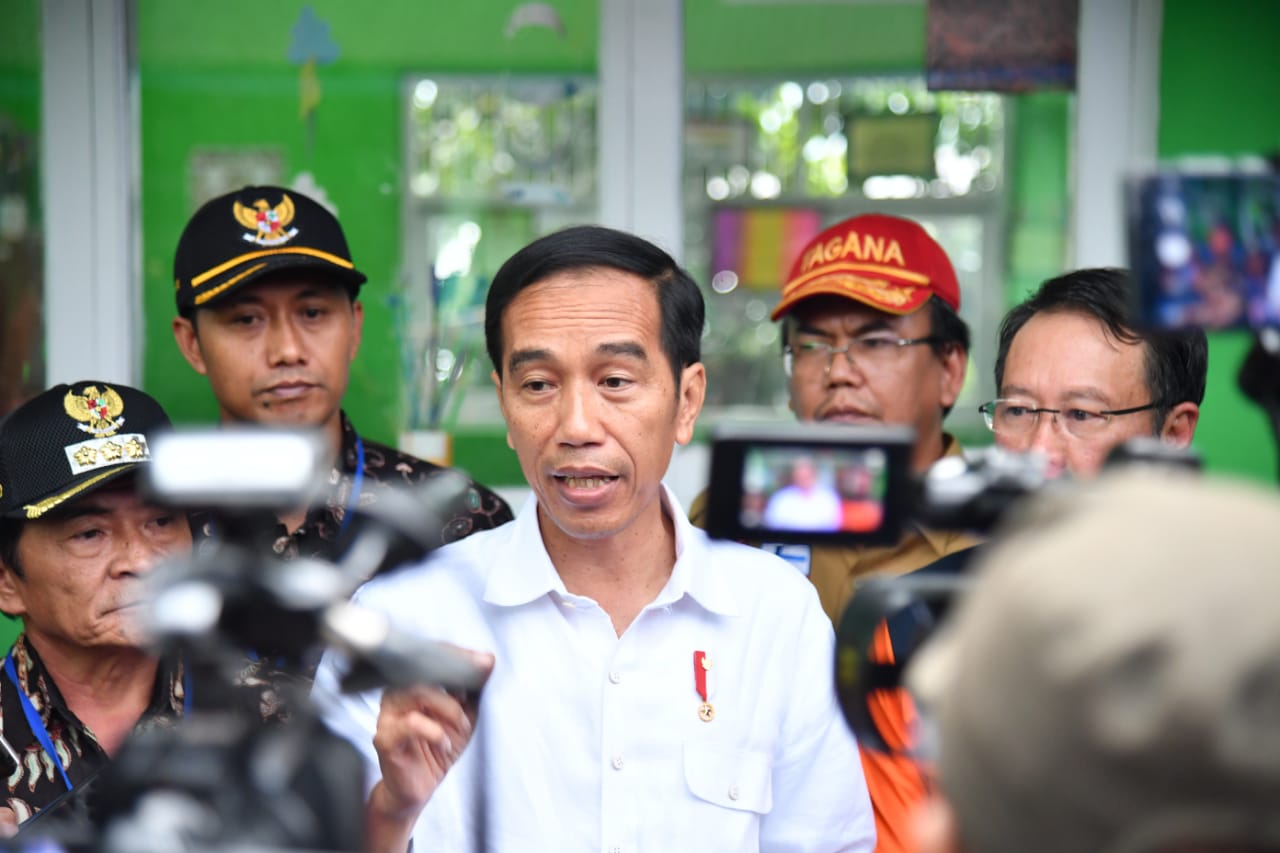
(97, 411)
(268, 226)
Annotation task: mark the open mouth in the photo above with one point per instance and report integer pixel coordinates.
(585, 483)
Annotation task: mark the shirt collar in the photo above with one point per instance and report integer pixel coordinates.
(695, 572)
(523, 571)
(341, 482)
(346, 462)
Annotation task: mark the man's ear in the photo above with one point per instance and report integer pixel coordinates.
(1180, 425)
(502, 404)
(693, 391)
(184, 333)
(357, 313)
(12, 600)
(954, 363)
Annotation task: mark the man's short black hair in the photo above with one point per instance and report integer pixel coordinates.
(1176, 363)
(10, 533)
(587, 247)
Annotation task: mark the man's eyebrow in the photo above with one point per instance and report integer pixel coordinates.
(1087, 392)
(239, 300)
(519, 358)
(624, 348)
(314, 290)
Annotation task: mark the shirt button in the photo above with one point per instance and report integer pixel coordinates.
(617, 761)
(615, 849)
(734, 793)
(615, 676)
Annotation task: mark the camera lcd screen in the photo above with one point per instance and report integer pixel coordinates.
(1205, 250)
(808, 483)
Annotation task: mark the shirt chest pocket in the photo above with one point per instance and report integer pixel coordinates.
(737, 779)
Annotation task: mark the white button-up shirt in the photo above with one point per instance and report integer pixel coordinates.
(591, 741)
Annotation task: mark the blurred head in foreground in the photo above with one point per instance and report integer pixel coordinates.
(1112, 681)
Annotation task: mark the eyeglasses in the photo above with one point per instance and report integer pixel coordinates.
(868, 350)
(1018, 417)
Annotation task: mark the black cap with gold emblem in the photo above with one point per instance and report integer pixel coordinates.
(237, 238)
(70, 440)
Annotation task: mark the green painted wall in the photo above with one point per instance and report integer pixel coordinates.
(19, 103)
(1219, 81)
(803, 38)
(1036, 222)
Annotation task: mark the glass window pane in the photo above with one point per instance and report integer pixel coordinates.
(22, 371)
(494, 162)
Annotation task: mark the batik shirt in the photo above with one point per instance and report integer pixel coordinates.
(36, 781)
(321, 534)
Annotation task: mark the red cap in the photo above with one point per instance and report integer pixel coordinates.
(886, 262)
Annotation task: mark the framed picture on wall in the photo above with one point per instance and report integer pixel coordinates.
(891, 145)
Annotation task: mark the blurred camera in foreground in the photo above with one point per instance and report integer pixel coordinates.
(217, 781)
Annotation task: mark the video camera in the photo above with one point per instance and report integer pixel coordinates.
(829, 484)
(220, 779)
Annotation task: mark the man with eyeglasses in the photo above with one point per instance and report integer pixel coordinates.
(871, 335)
(1076, 379)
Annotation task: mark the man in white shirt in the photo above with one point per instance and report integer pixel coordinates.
(651, 689)
(805, 503)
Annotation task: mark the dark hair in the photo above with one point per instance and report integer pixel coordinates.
(945, 325)
(584, 247)
(1175, 363)
(10, 533)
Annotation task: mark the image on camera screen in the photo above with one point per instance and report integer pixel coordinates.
(826, 490)
(1205, 250)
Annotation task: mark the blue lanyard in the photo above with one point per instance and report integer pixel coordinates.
(33, 720)
(37, 726)
(355, 487)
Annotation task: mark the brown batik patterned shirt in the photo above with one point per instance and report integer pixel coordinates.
(320, 536)
(36, 782)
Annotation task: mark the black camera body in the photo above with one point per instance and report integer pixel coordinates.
(809, 483)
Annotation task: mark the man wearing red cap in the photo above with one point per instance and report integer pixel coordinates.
(871, 336)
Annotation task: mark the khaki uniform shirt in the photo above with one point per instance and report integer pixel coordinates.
(833, 570)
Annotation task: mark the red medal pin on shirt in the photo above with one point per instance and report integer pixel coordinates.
(702, 663)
